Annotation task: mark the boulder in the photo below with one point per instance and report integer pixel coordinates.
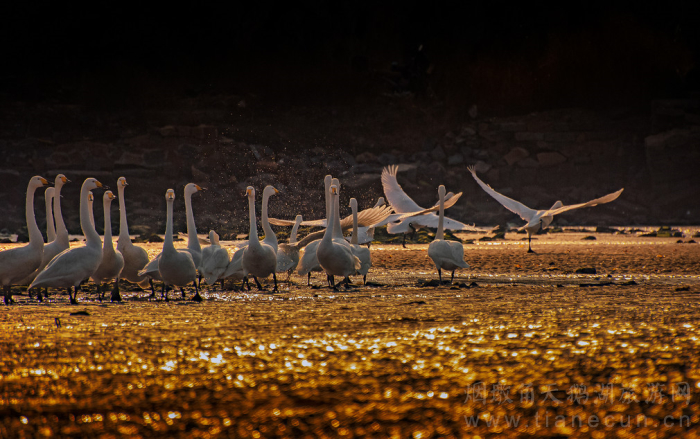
(550, 158)
(515, 155)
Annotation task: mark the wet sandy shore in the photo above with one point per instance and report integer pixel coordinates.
(519, 346)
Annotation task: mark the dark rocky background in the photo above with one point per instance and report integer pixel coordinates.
(549, 102)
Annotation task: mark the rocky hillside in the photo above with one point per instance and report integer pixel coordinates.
(226, 143)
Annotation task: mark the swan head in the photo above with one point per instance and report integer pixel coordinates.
(108, 196)
(380, 202)
(213, 237)
(191, 188)
(250, 192)
(335, 182)
(270, 190)
(298, 219)
(334, 190)
(61, 180)
(49, 192)
(37, 182)
(327, 181)
(441, 191)
(353, 204)
(122, 182)
(169, 195)
(93, 183)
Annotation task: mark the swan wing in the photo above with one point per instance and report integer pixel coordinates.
(395, 195)
(602, 200)
(514, 206)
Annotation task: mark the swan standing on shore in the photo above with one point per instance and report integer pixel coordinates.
(176, 267)
(260, 258)
(18, 263)
(334, 252)
(402, 203)
(193, 246)
(112, 261)
(60, 242)
(214, 260)
(445, 254)
(135, 257)
(538, 219)
(362, 253)
(72, 266)
(288, 253)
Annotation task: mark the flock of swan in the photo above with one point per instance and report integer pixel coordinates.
(56, 265)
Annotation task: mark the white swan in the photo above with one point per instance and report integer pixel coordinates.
(17, 263)
(402, 203)
(74, 265)
(538, 219)
(334, 252)
(112, 261)
(135, 257)
(365, 235)
(288, 253)
(176, 267)
(309, 261)
(260, 258)
(362, 253)
(50, 226)
(193, 246)
(214, 260)
(60, 242)
(445, 254)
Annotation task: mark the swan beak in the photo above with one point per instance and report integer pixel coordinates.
(276, 191)
(247, 193)
(65, 180)
(98, 184)
(200, 188)
(44, 181)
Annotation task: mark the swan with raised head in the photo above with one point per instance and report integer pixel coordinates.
(445, 254)
(50, 226)
(538, 219)
(365, 235)
(214, 260)
(334, 252)
(362, 253)
(112, 261)
(193, 246)
(74, 265)
(18, 263)
(60, 242)
(402, 203)
(260, 257)
(176, 267)
(135, 257)
(309, 261)
(288, 253)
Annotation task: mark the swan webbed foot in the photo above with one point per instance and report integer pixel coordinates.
(530, 250)
(73, 296)
(197, 298)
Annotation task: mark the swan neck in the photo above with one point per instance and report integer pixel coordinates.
(35, 238)
(123, 226)
(61, 231)
(107, 204)
(328, 235)
(253, 234)
(354, 240)
(440, 234)
(86, 225)
(168, 241)
(50, 227)
(192, 240)
(293, 235)
(337, 229)
(269, 233)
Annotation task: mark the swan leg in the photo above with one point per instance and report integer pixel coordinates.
(332, 282)
(404, 241)
(257, 283)
(116, 295)
(182, 291)
(153, 290)
(274, 277)
(308, 279)
(8, 294)
(246, 283)
(364, 279)
(74, 296)
(164, 293)
(197, 298)
(529, 243)
(347, 282)
(99, 291)
(453, 277)
(440, 275)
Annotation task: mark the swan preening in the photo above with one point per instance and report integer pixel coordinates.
(538, 219)
(56, 265)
